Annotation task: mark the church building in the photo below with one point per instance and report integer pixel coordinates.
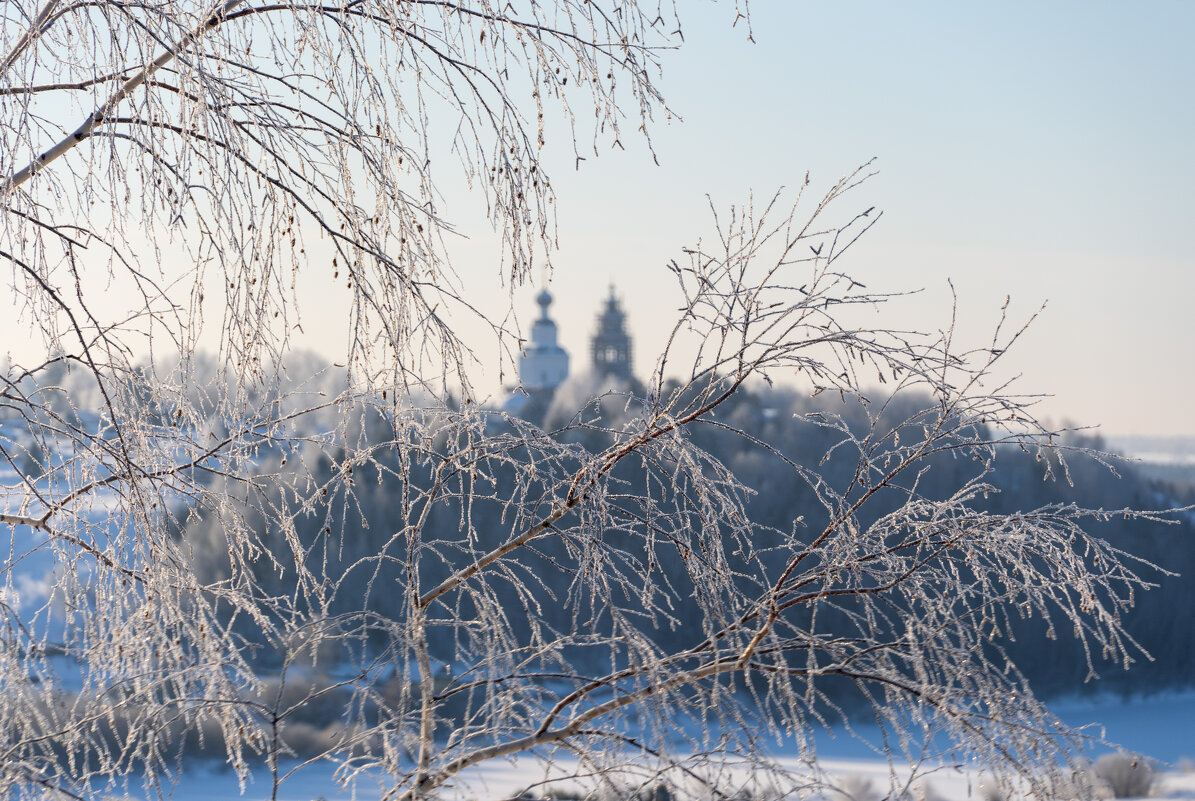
(611, 345)
(544, 365)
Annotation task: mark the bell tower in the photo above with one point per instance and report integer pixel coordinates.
(611, 345)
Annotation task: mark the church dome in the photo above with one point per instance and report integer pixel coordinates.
(544, 364)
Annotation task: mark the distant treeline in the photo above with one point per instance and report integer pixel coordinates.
(353, 528)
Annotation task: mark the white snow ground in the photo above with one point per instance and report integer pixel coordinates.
(1160, 728)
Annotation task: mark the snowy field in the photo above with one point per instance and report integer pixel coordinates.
(1161, 729)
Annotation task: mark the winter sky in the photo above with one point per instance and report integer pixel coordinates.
(1041, 151)
(1038, 150)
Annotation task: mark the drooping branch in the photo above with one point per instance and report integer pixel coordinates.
(35, 29)
(130, 85)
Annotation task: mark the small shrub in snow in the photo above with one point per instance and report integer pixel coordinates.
(1125, 775)
(564, 794)
(658, 791)
(856, 788)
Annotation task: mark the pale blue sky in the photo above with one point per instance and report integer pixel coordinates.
(1038, 150)
(1042, 151)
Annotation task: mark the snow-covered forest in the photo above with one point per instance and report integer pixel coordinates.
(322, 560)
(800, 429)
